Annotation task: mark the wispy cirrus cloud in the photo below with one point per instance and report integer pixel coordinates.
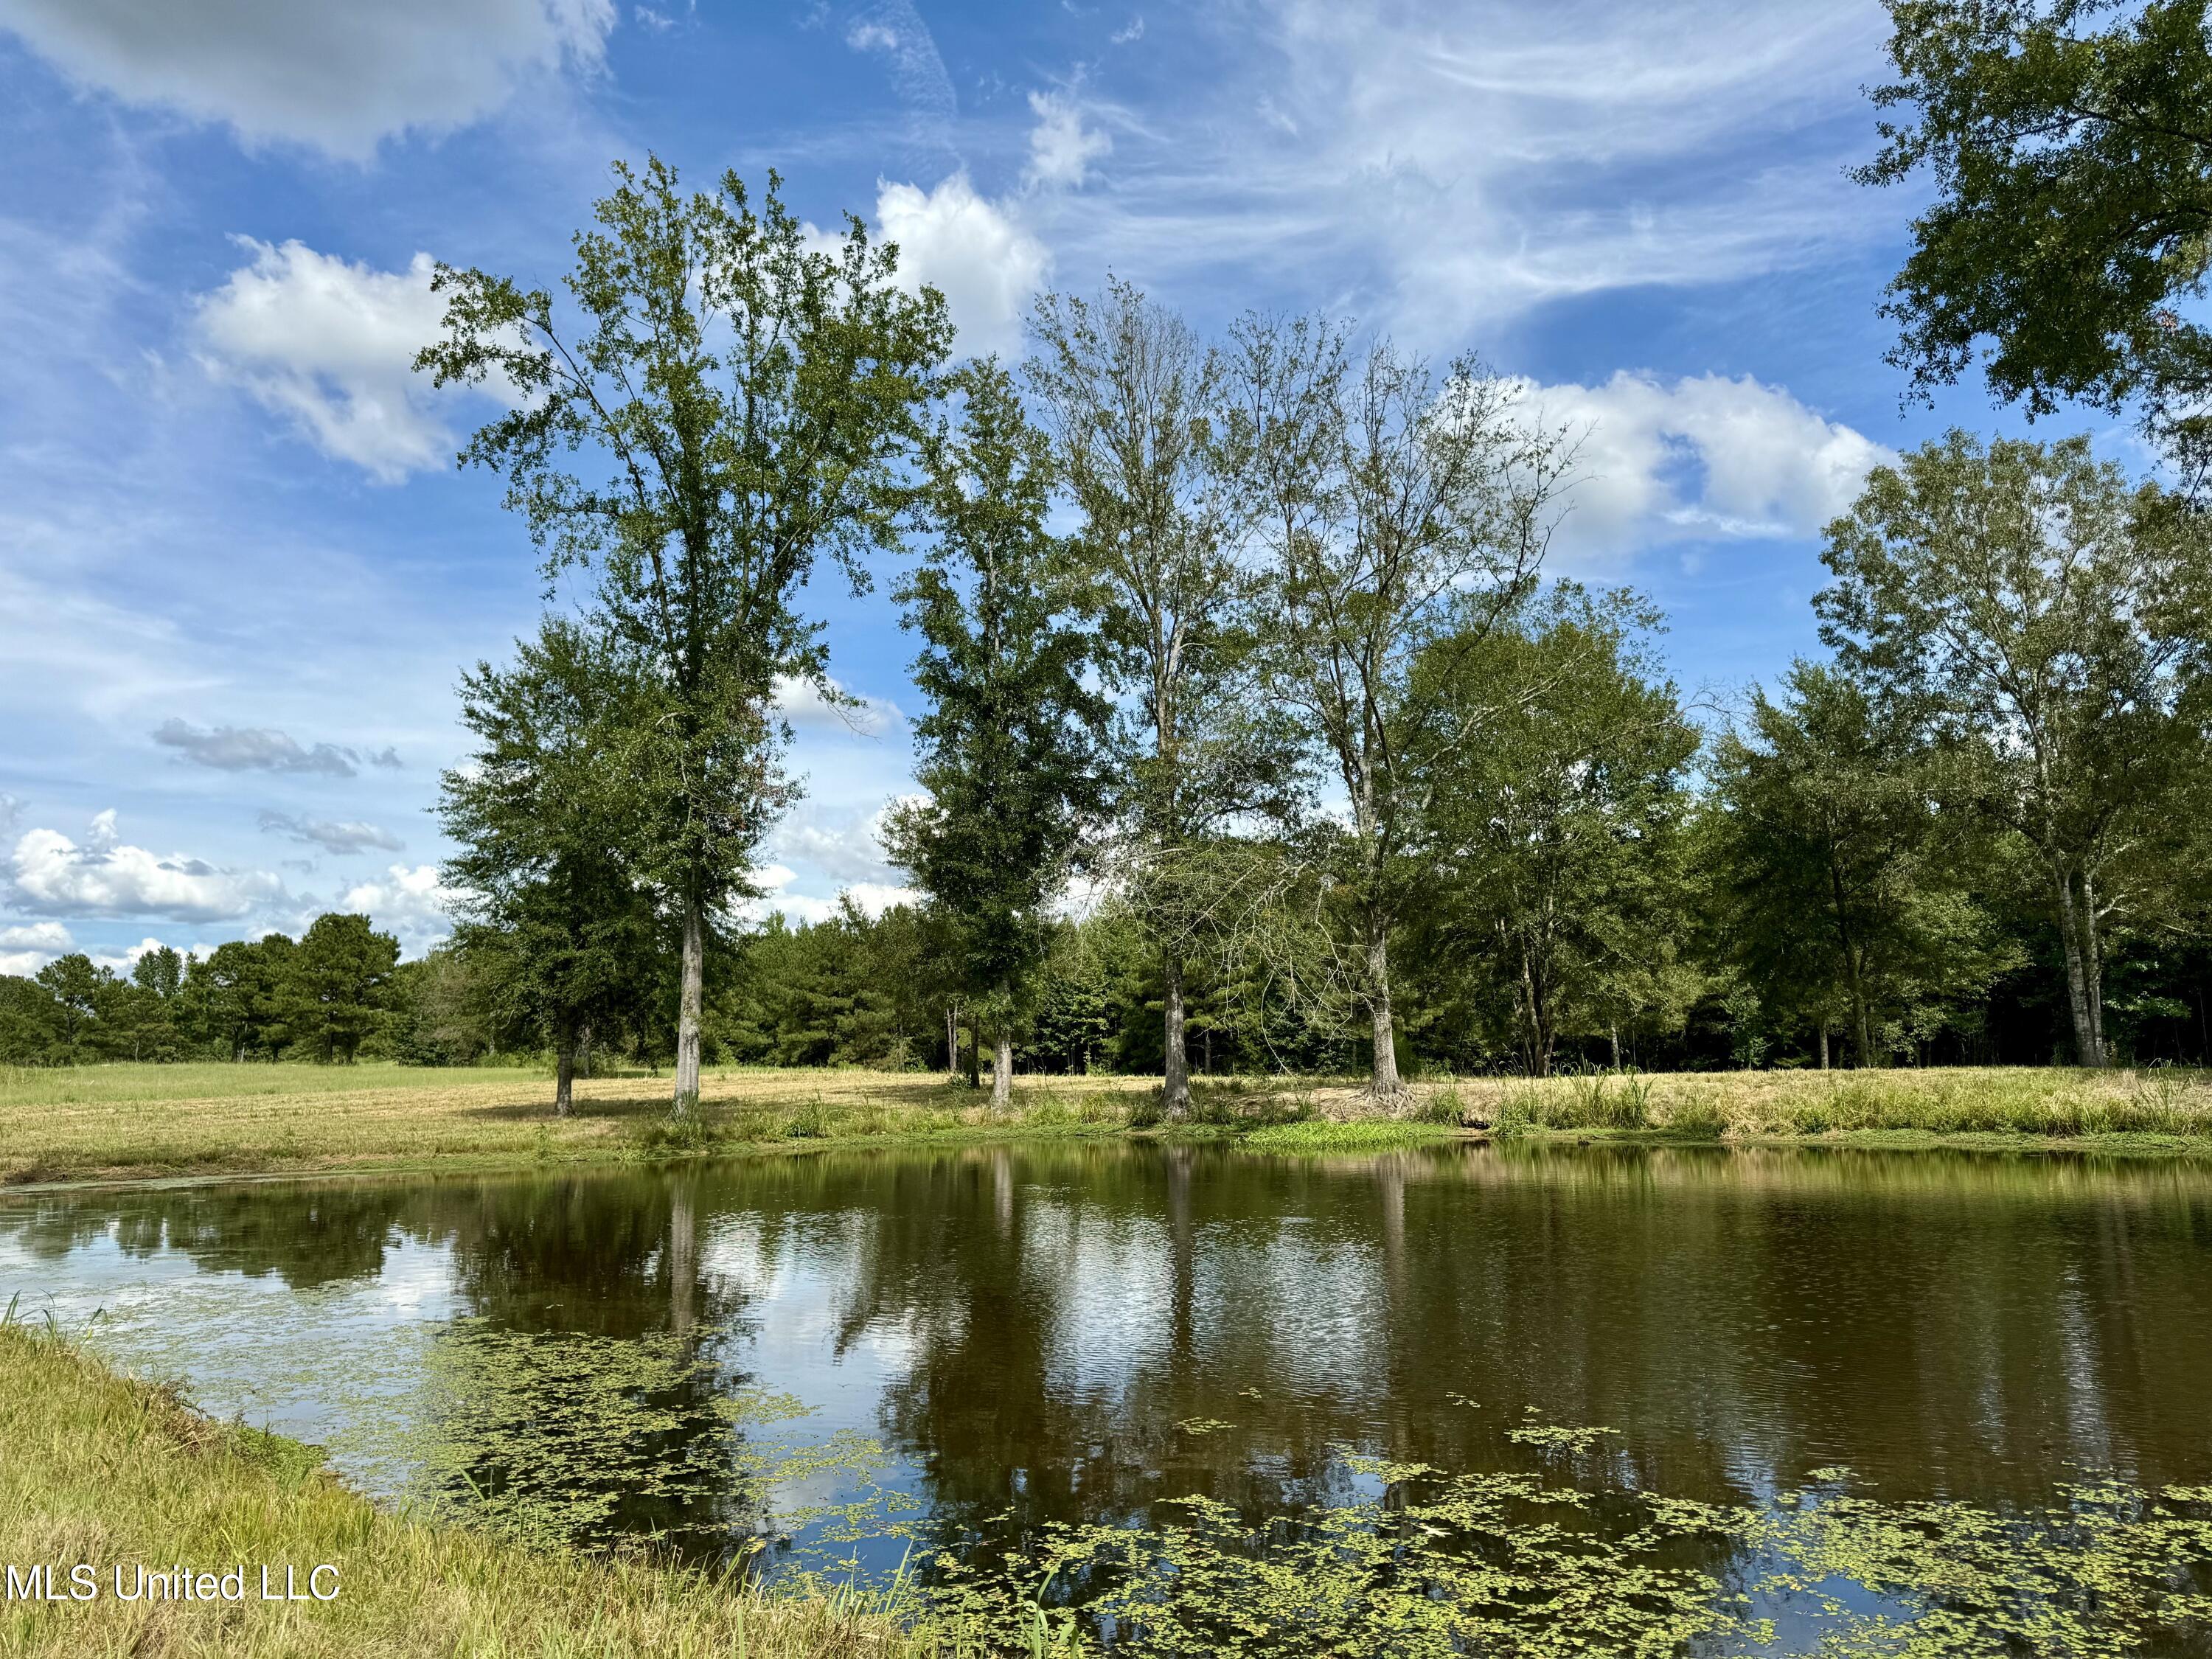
(1443, 167)
(341, 837)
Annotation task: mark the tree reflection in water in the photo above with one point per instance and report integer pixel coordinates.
(1087, 1333)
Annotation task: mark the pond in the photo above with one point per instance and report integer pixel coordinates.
(820, 1363)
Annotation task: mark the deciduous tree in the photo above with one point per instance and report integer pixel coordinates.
(732, 404)
(2029, 609)
(1006, 749)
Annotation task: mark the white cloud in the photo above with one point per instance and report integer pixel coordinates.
(25, 950)
(1704, 458)
(801, 702)
(347, 835)
(778, 897)
(1061, 149)
(127, 958)
(1130, 32)
(847, 847)
(1439, 167)
(408, 901)
(331, 346)
(52, 875)
(894, 31)
(338, 76)
(985, 263)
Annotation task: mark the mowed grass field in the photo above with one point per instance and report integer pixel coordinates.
(125, 1120)
(142, 1120)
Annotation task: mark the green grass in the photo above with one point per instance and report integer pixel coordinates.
(1366, 1134)
(101, 1469)
(128, 1122)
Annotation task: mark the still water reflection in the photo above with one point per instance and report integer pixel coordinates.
(1085, 1332)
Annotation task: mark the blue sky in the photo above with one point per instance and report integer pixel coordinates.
(238, 574)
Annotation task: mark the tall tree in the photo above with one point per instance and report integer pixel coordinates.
(1133, 399)
(544, 812)
(1827, 844)
(342, 974)
(1554, 843)
(2030, 608)
(2070, 143)
(1389, 504)
(746, 398)
(78, 986)
(1006, 746)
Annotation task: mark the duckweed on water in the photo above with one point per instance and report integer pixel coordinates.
(1511, 1566)
(562, 1439)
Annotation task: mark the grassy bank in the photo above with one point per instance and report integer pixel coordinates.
(128, 1122)
(102, 1470)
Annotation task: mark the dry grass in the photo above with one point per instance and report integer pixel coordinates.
(102, 1470)
(2056, 1104)
(127, 1121)
(131, 1121)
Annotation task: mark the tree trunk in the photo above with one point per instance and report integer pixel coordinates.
(1383, 1084)
(1824, 1045)
(1002, 1070)
(564, 1073)
(974, 1052)
(2092, 956)
(584, 1049)
(687, 1010)
(952, 1039)
(1174, 1068)
(1613, 1035)
(2089, 1046)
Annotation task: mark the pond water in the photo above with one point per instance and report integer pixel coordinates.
(970, 1343)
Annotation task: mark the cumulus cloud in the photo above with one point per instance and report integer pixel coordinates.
(124, 961)
(338, 77)
(801, 702)
(350, 836)
(408, 901)
(847, 847)
(986, 265)
(52, 875)
(1704, 458)
(873, 897)
(252, 749)
(1061, 149)
(329, 346)
(25, 950)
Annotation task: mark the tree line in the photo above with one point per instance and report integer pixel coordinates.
(328, 995)
(1254, 718)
